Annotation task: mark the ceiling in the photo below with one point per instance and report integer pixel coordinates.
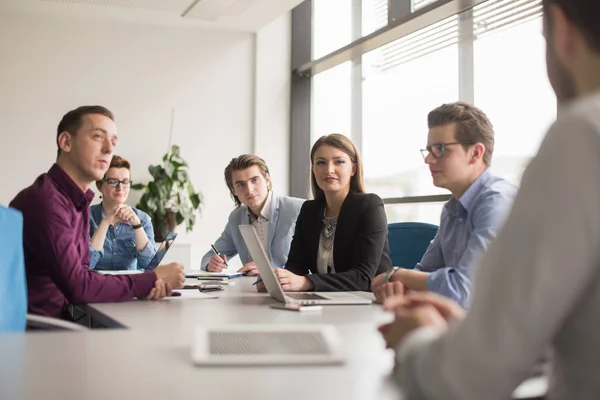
(237, 15)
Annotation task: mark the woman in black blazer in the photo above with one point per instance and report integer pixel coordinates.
(340, 242)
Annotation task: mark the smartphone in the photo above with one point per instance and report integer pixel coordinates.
(295, 307)
(209, 287)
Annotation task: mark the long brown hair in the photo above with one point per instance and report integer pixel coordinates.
(344, 144)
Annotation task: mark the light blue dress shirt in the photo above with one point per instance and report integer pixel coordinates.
(467, 227)
(119, 251)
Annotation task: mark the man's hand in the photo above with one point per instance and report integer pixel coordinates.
(159, 291)
(377, 282)
(217, 264)
(291, 282)
(446, 307)
(249, 269)
(171, 274)
(409, 319)
(261, 288)
(389, 290)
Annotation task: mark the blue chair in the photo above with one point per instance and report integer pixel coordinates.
(13, 290)
(408, 242)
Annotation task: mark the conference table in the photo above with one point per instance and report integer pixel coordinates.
(148, 354)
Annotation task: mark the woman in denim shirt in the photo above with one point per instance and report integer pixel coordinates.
(121, 237)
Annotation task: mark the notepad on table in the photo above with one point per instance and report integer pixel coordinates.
(225, 274)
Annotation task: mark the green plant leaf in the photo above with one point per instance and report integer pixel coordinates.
(138, 186)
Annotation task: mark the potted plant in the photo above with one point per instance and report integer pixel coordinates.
(170, 199)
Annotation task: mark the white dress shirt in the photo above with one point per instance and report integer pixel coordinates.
(537, 286)
(261, 222)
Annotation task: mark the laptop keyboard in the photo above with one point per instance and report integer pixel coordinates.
(268, 343)
(305, 296)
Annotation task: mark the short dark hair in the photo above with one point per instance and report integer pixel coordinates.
(472, 125)
(584, 14)
(340, 142)
(71, 122)
(240, 163)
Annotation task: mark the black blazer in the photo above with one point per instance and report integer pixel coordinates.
(360, 246)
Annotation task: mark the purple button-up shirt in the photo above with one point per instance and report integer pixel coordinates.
(56, 225)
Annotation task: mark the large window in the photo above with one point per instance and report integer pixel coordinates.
(491, 55)
(402, 82)
(336, 23)
(331, 102)
(512, 87)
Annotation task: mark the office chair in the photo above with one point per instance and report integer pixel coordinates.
(13, 290)
(408, 242)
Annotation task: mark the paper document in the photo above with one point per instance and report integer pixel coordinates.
(214, 275)
(122, 272)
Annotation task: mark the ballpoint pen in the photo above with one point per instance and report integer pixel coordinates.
(214, 249)
(257, 282)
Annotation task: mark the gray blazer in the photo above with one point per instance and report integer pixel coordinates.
(282, 221)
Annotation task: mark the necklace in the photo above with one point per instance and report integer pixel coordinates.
(328, 231)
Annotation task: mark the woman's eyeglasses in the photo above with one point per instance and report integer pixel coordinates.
(113, 183)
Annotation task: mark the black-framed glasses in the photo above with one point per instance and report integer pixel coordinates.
(438, 150)
(113, 183)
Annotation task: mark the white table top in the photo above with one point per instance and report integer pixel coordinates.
(152, 359)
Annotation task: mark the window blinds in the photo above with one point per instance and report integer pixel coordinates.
(493, 15)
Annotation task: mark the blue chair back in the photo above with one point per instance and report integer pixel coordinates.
(408, 242)
(13, 291)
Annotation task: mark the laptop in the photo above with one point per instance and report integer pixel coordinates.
(304, 344)
(271, 282)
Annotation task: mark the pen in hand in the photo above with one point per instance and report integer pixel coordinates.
(257, 282)
(217, 253)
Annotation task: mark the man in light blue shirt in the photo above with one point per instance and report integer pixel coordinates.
(273, 216)
(459, 151)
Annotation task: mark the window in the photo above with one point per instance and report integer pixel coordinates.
(331, 102)
(402, 82)
(338, 22)
(492, 55)
(415, 212)
(332, 26)
(511, 84)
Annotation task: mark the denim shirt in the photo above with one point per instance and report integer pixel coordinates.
(119, 251)
(467, 227)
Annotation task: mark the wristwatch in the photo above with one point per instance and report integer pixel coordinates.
(138, 226)
(388, 275)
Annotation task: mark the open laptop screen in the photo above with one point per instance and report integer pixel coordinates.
(162, 250)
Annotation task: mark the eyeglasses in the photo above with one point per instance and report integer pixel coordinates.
(113, 183)
(438, 150)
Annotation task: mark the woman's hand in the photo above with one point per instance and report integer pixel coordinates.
(291, 282)
(125, 213)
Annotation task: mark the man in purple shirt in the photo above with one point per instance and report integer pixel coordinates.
(56, 224)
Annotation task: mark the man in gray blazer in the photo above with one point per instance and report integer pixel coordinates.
(273, 216)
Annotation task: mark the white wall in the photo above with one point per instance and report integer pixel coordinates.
(272, 113)
(50, 66)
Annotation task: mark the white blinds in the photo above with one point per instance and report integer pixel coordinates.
(428, 40)
(416, 4)
(494, 15)
(488, 17)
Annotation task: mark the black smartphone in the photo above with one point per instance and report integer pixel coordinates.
(295, 307)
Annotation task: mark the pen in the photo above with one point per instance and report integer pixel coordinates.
(257, 282)
(214, 249)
